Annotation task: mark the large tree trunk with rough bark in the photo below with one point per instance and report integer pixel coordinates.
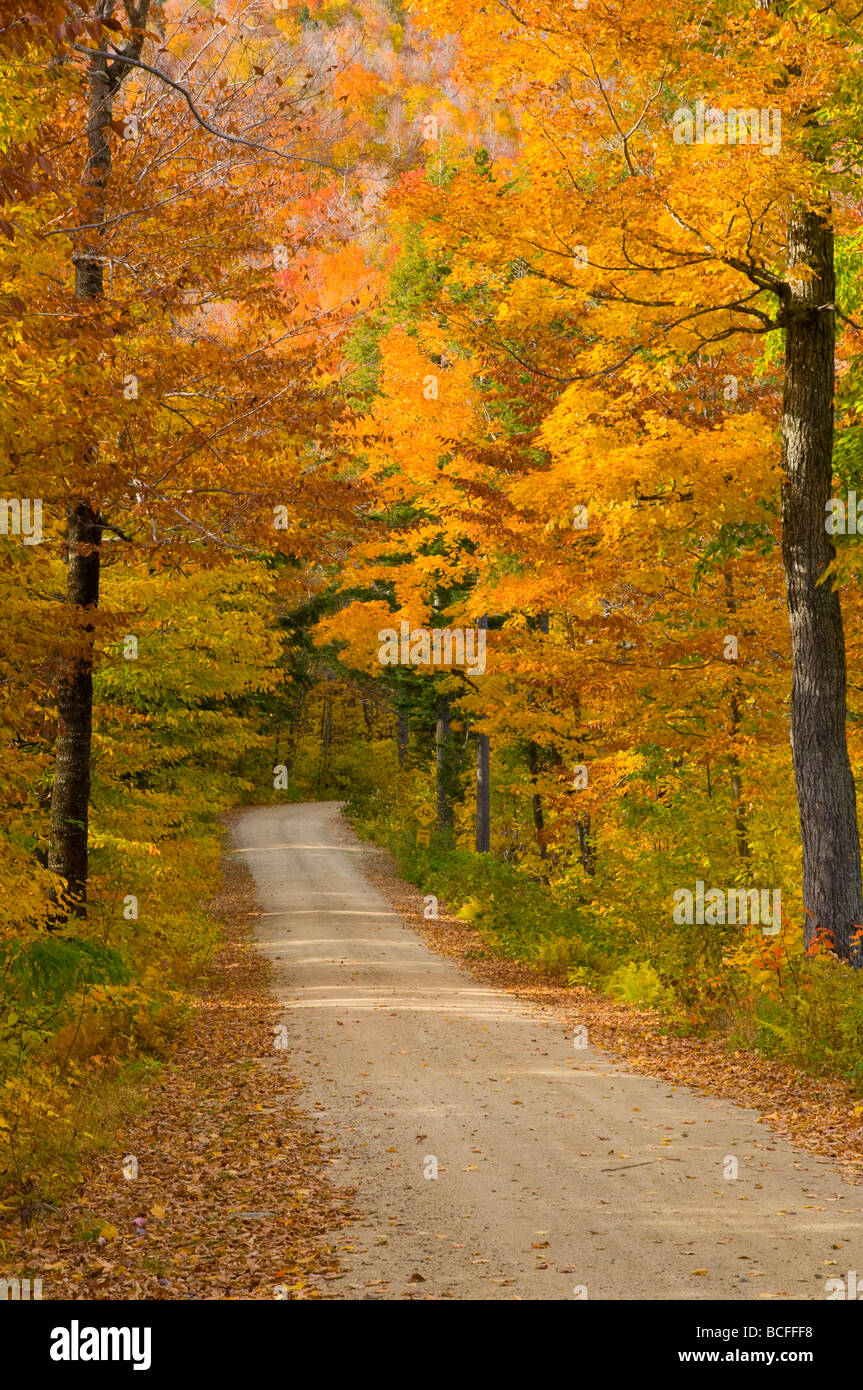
(70, 797)
(825, 787)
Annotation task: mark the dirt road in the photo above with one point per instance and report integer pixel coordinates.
(559, 1173)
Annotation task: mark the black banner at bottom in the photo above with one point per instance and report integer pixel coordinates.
(83, 1341)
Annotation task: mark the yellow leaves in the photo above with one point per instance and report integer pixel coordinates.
(357, 626)
(428, 402)
(469, 910)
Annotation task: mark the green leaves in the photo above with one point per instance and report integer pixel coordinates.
(48, 969)
(733, 538)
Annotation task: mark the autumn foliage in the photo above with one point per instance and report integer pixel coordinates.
(337, 317)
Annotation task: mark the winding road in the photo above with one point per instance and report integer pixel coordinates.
(559, 1174)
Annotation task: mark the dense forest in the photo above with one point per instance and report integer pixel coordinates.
(454, 411)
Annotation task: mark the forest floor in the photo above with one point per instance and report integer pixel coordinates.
(231, 1200)
(372, 1106)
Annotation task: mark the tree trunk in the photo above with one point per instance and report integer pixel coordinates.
(70, 796)
(443, 763)
(533, 766)
(326, 728)
(294, 727)
(586, 846)
(536, 799)
(825, 787)
(741, 824)
(402, 736)
(483, 785)
(483, 794)
(70, 799)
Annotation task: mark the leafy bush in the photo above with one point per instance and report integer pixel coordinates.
(637, 982)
